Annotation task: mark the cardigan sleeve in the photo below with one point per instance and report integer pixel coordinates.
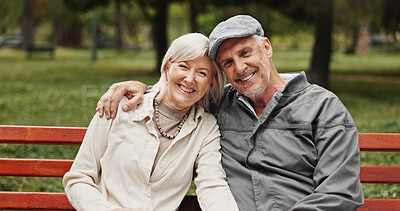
(212, 190)
(80, 183)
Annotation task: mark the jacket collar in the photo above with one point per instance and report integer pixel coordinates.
(296, 83)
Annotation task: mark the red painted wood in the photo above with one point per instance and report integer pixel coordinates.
(58, 201)
(380, 174)
(41, 135)
(380, 205)
(74, 136)
(34, 167)
(379, 142)
(34, 200)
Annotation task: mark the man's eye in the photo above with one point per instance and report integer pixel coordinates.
(244, 53)
(227, 63)
(183, 66)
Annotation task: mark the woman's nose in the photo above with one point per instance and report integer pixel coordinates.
(189, 77)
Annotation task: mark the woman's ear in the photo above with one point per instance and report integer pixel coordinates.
(167, 66)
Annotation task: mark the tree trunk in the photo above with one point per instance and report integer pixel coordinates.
(118, 25)
(319, 69)
(27, 25)
(351, 49)
(160, 32)
(70, 36)
(193, 16)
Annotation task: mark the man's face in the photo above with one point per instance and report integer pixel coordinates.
(246, 64)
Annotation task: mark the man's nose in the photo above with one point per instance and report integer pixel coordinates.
(240, 66)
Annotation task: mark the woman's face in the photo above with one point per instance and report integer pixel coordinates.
(187, 82)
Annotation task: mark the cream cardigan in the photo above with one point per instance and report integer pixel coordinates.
(113, 166)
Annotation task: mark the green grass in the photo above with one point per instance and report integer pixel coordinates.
(64, 92)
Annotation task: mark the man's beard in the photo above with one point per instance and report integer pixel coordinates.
(261, 88)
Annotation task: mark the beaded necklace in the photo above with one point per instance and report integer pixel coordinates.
(158, 126)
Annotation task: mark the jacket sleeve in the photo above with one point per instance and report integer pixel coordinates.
(81, 182)
(337, 173)
(212, 189)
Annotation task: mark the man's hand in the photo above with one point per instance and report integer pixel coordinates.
(108, 103)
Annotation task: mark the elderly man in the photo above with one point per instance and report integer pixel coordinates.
(286, 144)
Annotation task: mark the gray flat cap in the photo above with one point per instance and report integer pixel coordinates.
(237, 26)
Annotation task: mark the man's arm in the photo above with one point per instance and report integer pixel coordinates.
(108, 103)
(337, 173)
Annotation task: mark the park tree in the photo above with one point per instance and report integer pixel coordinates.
(196, 7)
(68, 25)
(34, 12)
(356, 19)
(27, 24)
(83, 6)
(156, 12)
(321, 53)
(119, 23)
(391, 17)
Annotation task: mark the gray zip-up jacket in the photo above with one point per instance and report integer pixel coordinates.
(301, 154)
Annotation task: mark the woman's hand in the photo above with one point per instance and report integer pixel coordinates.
(108, 103)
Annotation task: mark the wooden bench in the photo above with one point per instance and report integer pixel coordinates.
(74, 136)
(33, 49)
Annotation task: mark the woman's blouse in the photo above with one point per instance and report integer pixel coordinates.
(113, 166)
(169, 119)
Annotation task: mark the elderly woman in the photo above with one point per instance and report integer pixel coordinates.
(145, 159)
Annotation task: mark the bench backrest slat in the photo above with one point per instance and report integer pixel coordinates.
(74, 136)
(380, 205)
(34, 167)
(57, 168)
(379, 142)
(41, 135)
(34, 200)
(380, 174)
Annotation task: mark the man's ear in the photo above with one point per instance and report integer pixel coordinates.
(268, 47)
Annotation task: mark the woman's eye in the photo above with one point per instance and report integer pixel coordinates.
(183, 66)
(203, 73)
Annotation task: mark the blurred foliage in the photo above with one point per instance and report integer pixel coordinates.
(84, 5)
(11, 17)
(282, 18)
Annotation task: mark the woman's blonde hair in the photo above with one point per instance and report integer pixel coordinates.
(185, 48)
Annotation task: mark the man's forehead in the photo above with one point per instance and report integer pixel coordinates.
(230, 43)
